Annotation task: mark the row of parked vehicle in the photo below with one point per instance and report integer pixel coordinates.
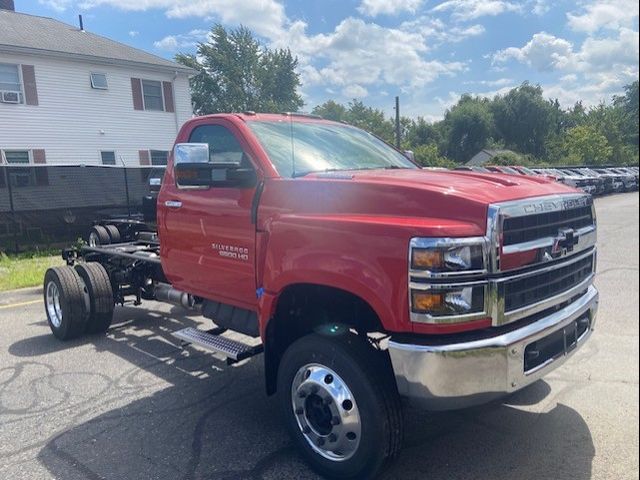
(593, 180)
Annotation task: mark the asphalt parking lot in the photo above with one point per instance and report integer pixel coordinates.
(133, 405)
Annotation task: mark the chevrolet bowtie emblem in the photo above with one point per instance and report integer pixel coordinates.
(565, 241)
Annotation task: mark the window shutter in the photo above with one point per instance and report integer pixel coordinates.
(136, 90)
(39, 156)
(167, 90)
(144, 157)
(30, 89)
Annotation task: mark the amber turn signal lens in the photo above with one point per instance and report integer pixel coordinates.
(427, 259)
(427, 302)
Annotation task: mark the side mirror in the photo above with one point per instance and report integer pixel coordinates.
(410, 155)
(193, 169)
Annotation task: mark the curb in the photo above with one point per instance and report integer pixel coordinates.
(11, 296)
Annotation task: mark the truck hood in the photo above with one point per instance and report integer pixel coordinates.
(480, 187)
(425, 202)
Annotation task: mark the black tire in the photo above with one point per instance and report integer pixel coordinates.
(368, 375)
(67, 317)
(114, 233)
(98, 235)
(98, 286)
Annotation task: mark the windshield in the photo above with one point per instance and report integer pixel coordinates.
(509, 170)
(527, 171)
(298, 148)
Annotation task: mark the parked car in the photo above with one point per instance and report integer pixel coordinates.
(618, 178)
(596, 180)
(472, 168)
(569, 178)
(629, 178)
(503, 169)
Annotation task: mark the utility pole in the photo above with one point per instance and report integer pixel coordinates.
(398, 122)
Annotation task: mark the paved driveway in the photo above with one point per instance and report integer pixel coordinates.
(132, 405)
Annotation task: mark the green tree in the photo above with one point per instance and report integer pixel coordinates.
(584, 145)
(370, 119)
(524, 119)
(237, 73)
(629, 107)
(421, 132)
(331, 110)
(428, 156)
(467, 128)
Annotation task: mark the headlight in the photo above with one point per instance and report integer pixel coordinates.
(442, 256)
(449, 302)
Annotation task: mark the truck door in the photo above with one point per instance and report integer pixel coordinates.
(207, 236)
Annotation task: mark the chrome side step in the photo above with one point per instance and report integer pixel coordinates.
(212, 340)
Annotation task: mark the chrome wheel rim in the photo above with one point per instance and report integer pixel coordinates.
(53, 304)
(93, 239)
(326, 412)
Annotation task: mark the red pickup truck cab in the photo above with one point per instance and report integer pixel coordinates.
(367, 278)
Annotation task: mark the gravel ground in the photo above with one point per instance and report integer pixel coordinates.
(132, 405)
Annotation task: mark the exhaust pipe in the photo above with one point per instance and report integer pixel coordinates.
(166, 293)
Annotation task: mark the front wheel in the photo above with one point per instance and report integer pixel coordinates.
(341, 405)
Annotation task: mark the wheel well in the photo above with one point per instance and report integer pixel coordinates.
(307, 308)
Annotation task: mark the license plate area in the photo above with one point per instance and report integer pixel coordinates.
(540, 353)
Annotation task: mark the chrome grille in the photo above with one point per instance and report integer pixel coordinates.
(532, 227)
(519, 293)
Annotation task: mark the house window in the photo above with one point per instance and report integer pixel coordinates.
(10, 83)
(20, 177)
(17, 157)
(99, 81)
(158, 157)
(108, 157)
(152, 94)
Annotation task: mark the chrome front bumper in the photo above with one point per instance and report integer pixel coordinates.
(456, 375)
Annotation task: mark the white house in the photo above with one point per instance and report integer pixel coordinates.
(70, 96)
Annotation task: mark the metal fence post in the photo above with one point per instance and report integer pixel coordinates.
(126, 186)
(14, 222)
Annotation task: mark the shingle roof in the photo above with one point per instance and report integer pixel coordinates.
(19, 31)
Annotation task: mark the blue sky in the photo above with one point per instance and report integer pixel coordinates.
(427, 51)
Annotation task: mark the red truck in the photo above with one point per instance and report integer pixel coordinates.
(359, 277)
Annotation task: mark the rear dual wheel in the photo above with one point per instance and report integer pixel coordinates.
(104, 235)
(340, 405)
(78, 300)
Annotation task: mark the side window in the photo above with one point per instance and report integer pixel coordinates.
(223, 145)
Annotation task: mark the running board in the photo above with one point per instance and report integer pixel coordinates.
(212, 340)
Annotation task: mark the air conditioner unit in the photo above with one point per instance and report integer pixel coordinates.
(9, 97)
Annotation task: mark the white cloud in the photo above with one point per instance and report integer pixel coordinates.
(172, 43)
(438, 31)
(544, 52)
(472, 9)
(500, 82)
(265, 17)
(594, 72)
(374, 8)
(541, 7)
(601, 14)
(365, 54)
(355, 91)
(57, 5)
(133, 33)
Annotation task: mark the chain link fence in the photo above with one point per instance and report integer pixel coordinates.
(45, 206)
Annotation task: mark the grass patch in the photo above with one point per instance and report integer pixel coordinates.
(26, 269)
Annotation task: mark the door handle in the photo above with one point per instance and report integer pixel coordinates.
(173, 204)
